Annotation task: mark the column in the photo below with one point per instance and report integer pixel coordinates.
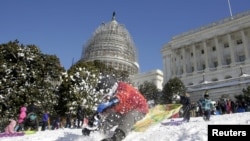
(184, 60)
(231, 50)
(194, 58)
(178, 62)
(167, 67)
(174, 62)
(206, 54)
(218, 50)
(245, 44)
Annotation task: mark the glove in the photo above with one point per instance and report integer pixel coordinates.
(103, 106)
(176, 97)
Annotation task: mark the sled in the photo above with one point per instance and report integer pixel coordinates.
(12, 134)
(17, 134)
(156, 115)
(29, 132)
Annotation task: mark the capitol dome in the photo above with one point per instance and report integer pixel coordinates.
(112, 44)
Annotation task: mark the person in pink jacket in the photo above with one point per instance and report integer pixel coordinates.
(10, 129)
(21, 118)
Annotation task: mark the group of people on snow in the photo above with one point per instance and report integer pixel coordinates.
(121, 107)
(205, 105)
(23, 120)
(27, 117)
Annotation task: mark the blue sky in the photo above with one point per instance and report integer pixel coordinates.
(61, 27)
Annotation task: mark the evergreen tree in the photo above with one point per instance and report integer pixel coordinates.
(173, 86)
(27, 75)
(78, 87)
(149, 90)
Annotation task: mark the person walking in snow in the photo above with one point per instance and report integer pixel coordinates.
(122, 106)
(206, 106)
(68, 120)
(79, 116)
(45, 120)
(186, 105)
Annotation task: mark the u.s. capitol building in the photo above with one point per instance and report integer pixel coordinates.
(215, 57)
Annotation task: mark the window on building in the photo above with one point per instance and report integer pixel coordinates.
(226, 45)
(215, 64)
(214, 48)
(238, 42)
(192, 69)
(181, 57)
(202, 51)
(228, 61)
(192, 54)
(215, 79)
(203, 66)
(242, 58)
(228, 77)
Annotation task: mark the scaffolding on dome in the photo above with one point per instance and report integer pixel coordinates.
(112, 44)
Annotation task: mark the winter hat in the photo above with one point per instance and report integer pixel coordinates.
(107, 86)
(187, 95)
(206, 94)
(106, 83)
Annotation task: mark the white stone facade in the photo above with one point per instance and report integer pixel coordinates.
(214, 58)
(154, 76)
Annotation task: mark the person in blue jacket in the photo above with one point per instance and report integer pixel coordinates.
(206, 106)
(45, 120)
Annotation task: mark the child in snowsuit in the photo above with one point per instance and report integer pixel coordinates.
(45, 120)
(123, 106)
(10, 129)
(206, 106)
(21, 118)
(31, 121)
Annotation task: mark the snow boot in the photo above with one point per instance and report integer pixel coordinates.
(86, 132)
(119, 135)
(108, 139)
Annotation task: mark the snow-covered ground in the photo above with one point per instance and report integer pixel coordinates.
(195, 130)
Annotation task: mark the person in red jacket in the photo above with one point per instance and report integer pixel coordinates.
(122, 106)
